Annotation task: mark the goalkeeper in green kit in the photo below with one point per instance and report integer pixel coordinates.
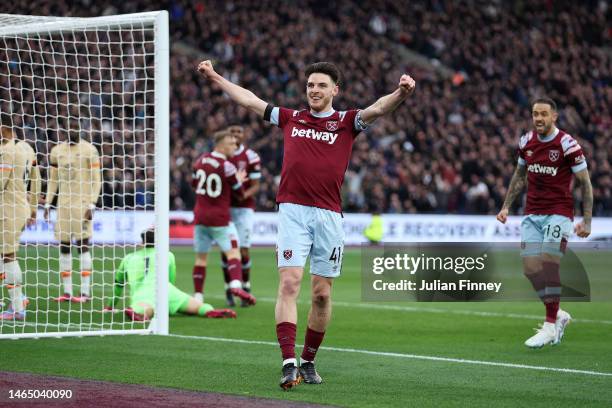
(138, 271)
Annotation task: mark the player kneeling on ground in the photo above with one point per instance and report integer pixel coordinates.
(135, 270)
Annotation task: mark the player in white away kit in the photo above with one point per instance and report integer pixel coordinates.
(317, 148)
(548, 157)
(75, 171)
(18, 171)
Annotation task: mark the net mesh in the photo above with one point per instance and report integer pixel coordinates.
(91, 80)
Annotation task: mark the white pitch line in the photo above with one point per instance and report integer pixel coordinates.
(404, 355)
(378, 306)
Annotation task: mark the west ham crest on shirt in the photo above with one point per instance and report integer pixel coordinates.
(331, 125)
(287, 254)
(553, 155)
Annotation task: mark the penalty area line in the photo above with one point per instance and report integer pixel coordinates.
(377, 306)
(407, 356)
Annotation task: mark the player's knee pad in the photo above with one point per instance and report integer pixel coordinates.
(12, 273)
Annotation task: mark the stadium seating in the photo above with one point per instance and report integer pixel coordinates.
(451, 149)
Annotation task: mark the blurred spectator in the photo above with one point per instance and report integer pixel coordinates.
(451, 149)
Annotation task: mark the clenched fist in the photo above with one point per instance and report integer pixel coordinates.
(407, 84)
(502, 216)
(583, 229)
(206, 69)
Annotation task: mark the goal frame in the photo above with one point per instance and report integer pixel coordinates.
(159, 21)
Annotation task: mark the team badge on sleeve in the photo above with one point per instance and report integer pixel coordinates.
(331, 125)
(553, 155)
(287, 254)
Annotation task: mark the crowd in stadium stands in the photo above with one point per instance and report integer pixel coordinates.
(450, 149)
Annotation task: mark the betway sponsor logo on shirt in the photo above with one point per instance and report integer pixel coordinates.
(328, 137)
(539, 169)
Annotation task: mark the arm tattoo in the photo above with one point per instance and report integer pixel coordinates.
(518, 182)
(587, 195)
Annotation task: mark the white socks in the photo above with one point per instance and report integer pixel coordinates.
(235, 284)
(13, 279)
(85, 273)
(290, 361)
(65, 264)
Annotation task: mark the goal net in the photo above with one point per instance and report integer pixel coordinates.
(90, 97)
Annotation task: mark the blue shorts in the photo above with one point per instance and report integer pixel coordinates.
(545, 234)
(226, 237)
(243, 220)
(304, 231)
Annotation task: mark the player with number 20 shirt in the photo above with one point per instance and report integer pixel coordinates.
(215, 178)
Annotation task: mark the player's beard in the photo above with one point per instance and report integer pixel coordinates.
(320, 104)
(546, 128)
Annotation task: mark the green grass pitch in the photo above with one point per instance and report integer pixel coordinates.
(483, 332)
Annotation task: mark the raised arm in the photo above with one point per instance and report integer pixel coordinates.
(518, 182)
(238, 94)
(389, 103)
(583, 228)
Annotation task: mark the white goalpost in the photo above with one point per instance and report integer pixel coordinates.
(107, 80)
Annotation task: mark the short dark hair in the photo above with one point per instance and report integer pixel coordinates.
(220, 135)
(326, 68)
(228, 129)
(148, 237)
(546, 100)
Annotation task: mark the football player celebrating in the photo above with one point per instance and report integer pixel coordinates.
(548, 157)
(317, 147)
(215, 179)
